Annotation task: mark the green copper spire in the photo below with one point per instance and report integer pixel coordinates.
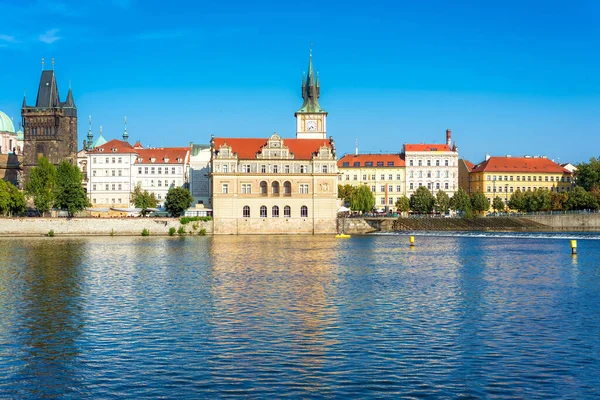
(125, 134)
(311, 91)
(90, 135)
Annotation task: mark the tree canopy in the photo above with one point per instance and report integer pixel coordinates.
(422, 200)
(498, 204)
(40, 185)
(68, 191)
(403, 204)
(479, 202)
(178, 200)
(517, 201)
(587, 175)
(143, 199)
(442, 202)
(461, 201)
(345, 192)
(362, 199)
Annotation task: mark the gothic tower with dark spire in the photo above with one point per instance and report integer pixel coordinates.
(311, 119)
(49, 127)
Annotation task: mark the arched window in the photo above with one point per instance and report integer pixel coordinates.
(275, 187)
(304, 211)
(287, 188)
(287, 212)
(275, 212)
(263, 211)
(263, 188)
(246, 212)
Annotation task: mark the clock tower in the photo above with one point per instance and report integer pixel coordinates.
(311, 119)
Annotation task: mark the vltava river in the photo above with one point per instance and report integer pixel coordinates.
(304, 317)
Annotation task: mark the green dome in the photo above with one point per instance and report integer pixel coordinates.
(99, 142)
(6, 124)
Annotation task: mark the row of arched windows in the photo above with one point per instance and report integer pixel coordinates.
(287, 187)
(287, 212)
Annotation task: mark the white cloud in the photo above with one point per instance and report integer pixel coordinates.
(7, 38)
(49, 36)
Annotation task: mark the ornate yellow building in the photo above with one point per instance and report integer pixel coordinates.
(502, 176)
(275, 185)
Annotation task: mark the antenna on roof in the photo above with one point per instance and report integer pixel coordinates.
(356, 147)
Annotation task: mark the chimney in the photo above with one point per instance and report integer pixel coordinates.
(448, 136)
(487, 157)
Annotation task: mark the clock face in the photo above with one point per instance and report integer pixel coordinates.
(311, 125)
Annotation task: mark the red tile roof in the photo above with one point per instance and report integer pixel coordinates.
(246, 148)
(166, 155)
(427, 147)
(519, 164)
(119, 146)
(374, 158)
(469, 164)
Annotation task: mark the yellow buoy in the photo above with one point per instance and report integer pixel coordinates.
(342, 236)
(573, 246)
(412, 240)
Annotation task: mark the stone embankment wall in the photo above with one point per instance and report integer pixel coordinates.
(96, 226)
(568, 222)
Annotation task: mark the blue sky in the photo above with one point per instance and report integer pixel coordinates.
(510, 77)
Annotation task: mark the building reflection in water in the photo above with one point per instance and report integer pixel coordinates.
(45, 297)
(270, 301)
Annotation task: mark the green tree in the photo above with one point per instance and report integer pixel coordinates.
(442, 202)
(587, 175)
(558, 200)
(479, 202)
(40, 185)
(580, 199)
(422, 200)
(461, 201)
(69, 194)
(5, 200)
(403, 204)
(143, 199)
(517, 201)
(17, 200)
(178, 200)
(498, 204)
(345, 192)
(544, 199)
(362, 199)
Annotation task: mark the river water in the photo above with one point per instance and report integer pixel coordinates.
(473, 316)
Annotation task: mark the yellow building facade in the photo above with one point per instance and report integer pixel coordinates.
(502, 176)
(384, 174)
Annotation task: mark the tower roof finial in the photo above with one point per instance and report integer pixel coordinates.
(125, 134)
(42, 63)
(52, 63)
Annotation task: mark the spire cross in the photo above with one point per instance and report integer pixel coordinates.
(42, 63)
(52, 63)
(311, 43)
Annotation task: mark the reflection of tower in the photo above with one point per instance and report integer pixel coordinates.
(49, 127)
(311, 118)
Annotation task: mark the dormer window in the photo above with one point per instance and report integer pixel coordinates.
(114, 150)
(152, 159)
(179, 160)
(140, 159)
(166, 159)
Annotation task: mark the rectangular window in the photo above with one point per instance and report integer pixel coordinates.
(287, 212)
(383, 188)
(120, 173)
(120, 160)
(369, 164)
(263, 169)
(383, 177)
(225, 188)
(106, 186)
(380, 163)
(346, 164)
(355, 177)
(489, 189)
(159, 183)
(411, 186)
(398, 188)
(364, 177)
(94, 173)
(324, 169)
(373, 177)
(347, 177)
(166, 170)
(398, 177)
(275, 169)
(383, 200)
(173, 170)
(303, 188)
(391, 201)
(107, 160)
(120, 187)
(390, 188)
(246, 188)
(159, 170)
(410, 163)
(446, 185)
(390, 164)
(356, 164)
(373, 188)
(152, 183)
(113, 172)
(94, 187)
(286, 169)
(113, 161)
(446, 163)
(113, 186)
(420, 163)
